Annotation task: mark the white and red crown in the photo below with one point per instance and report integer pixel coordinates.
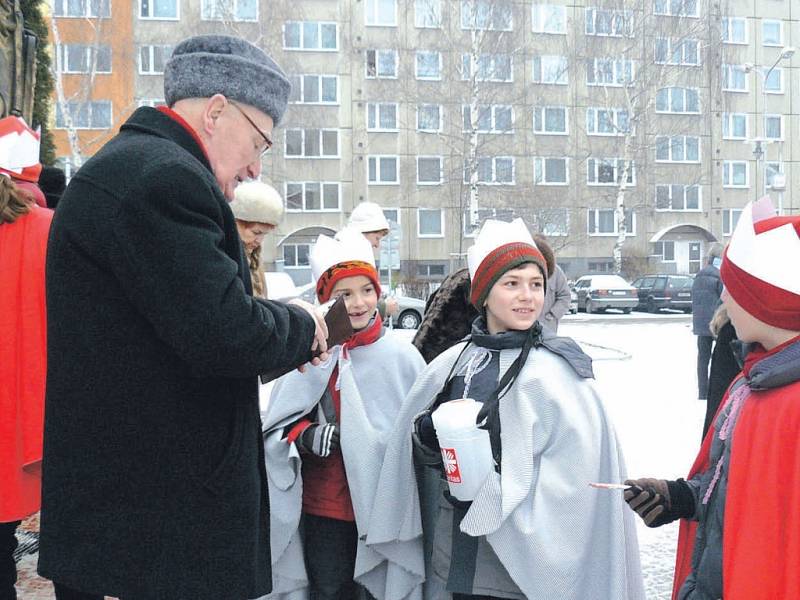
(19, 149)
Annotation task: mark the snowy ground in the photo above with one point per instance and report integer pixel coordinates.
(645, 367)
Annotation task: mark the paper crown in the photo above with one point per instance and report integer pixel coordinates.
(349, 246)
(19, 149)
(492, 236)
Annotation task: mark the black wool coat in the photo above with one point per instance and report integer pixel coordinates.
(154, 484)
(706, 290)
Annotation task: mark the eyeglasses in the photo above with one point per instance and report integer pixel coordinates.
(267, 140)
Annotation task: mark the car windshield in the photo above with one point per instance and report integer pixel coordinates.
(609, 281)
(678, 283)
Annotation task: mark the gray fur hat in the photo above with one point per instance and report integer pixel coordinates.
(204, 65)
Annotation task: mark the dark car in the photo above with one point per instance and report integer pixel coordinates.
(664, 291)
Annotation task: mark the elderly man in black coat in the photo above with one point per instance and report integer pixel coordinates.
(154, 483)
(706, 291)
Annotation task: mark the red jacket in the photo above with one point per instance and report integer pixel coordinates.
(23, 361)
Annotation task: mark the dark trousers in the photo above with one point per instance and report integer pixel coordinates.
(704, 344)
(66, 593)
(330, 546)
(8, 568)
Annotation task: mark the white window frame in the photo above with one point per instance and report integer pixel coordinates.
(563, 69)
(685, 189)
(590, 22)
(729, 69)
(151, 51)
(322, 184)
(378, 52)
(302, 47)
(542, 110)
(440, 110)
(419, 77)
(151, 102)
(91, 104)
(662, 254)
(491, 6)
(149, 17)
(733, 219)
(540, 171)
(618, 72)
(493, 109)
(227, 14)
(425, 23)
(668, 12)
(379, 158)
(441, 170)
(419, 223)
(593, 177)
(725, 26)
(494, 181)
(782, 121)
(372, 10)
(544, 225)
(684, 91)
(781, 79)
(631, 232)
(60, 6)
(378, 108)
(684, 139)
(779, 23)
(63, 52)
(777, 167)
(539, 18)
(615, 114)
(727, 174)
(672, 46)
(304, 132)
(295, 245)
(299, 83)
(467, 68)
(727, 124)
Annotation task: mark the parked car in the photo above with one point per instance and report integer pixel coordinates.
(598, 292)
(409, 312)
(664, 291)
(573, 301)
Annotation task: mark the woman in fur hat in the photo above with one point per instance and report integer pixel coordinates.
(258, 209)
(534, 529)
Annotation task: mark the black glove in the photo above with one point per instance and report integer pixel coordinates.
(321, 440)
(425, 444)
(658, 501)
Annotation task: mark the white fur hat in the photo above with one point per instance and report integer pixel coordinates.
(368, 216)
(257, 202)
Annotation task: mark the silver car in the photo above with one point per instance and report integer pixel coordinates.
(598, 292)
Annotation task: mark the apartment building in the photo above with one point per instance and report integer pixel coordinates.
(447, 112)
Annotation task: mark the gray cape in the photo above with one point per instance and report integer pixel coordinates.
(373, 382)
(556, 536)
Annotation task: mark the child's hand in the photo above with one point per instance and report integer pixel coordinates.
(320, 440)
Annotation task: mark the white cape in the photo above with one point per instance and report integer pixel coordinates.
(374, 381)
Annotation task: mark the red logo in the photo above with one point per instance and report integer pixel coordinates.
(451, 470)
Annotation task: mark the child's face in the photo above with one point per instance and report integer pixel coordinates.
(748, 328)
(360, 298)
(516, 300)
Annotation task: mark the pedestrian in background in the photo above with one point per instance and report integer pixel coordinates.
(726, 363)
(557, 296)
(258, 208)
(706, 291)
(24, 228)
(154, 483)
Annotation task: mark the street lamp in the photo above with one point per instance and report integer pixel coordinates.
(759, 147)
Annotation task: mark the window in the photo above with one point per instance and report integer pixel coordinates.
(381, 13)
(310, 35)
(552, 221)
(86, 115)
(734, 30)
(428, 13)
(491, 119)
(295, 256)
(771, 169)
(665, 251)
(677, 52)
(549, 18)
(773, 127)
(608, 171)
(771, 32)
(678, 101)
(381, 116)
(312, 143)
(498, 170)
(550, 69)
(82, 8)
(609, 71)
(600, 267)
(677, 148)
(773, 84)
(153, 59)
(152, 102)
(490, 67)
(604, 222)
(429, 65)
(550, 171)
(607, 121)
(730, 218)
(734, 126)
(381, 64)
(429, 170)
(608, 22)
(486, 14)
(431, 270)
(429, 222)
(79, 58)
(429, 118)
(675, 8)
(472, 223)
(229, 10)
(383, 170)
(312, 196)
(550, 120)
(158, 9)
(677, 197)
(314, 89)
(734, 78)
(735, 173)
